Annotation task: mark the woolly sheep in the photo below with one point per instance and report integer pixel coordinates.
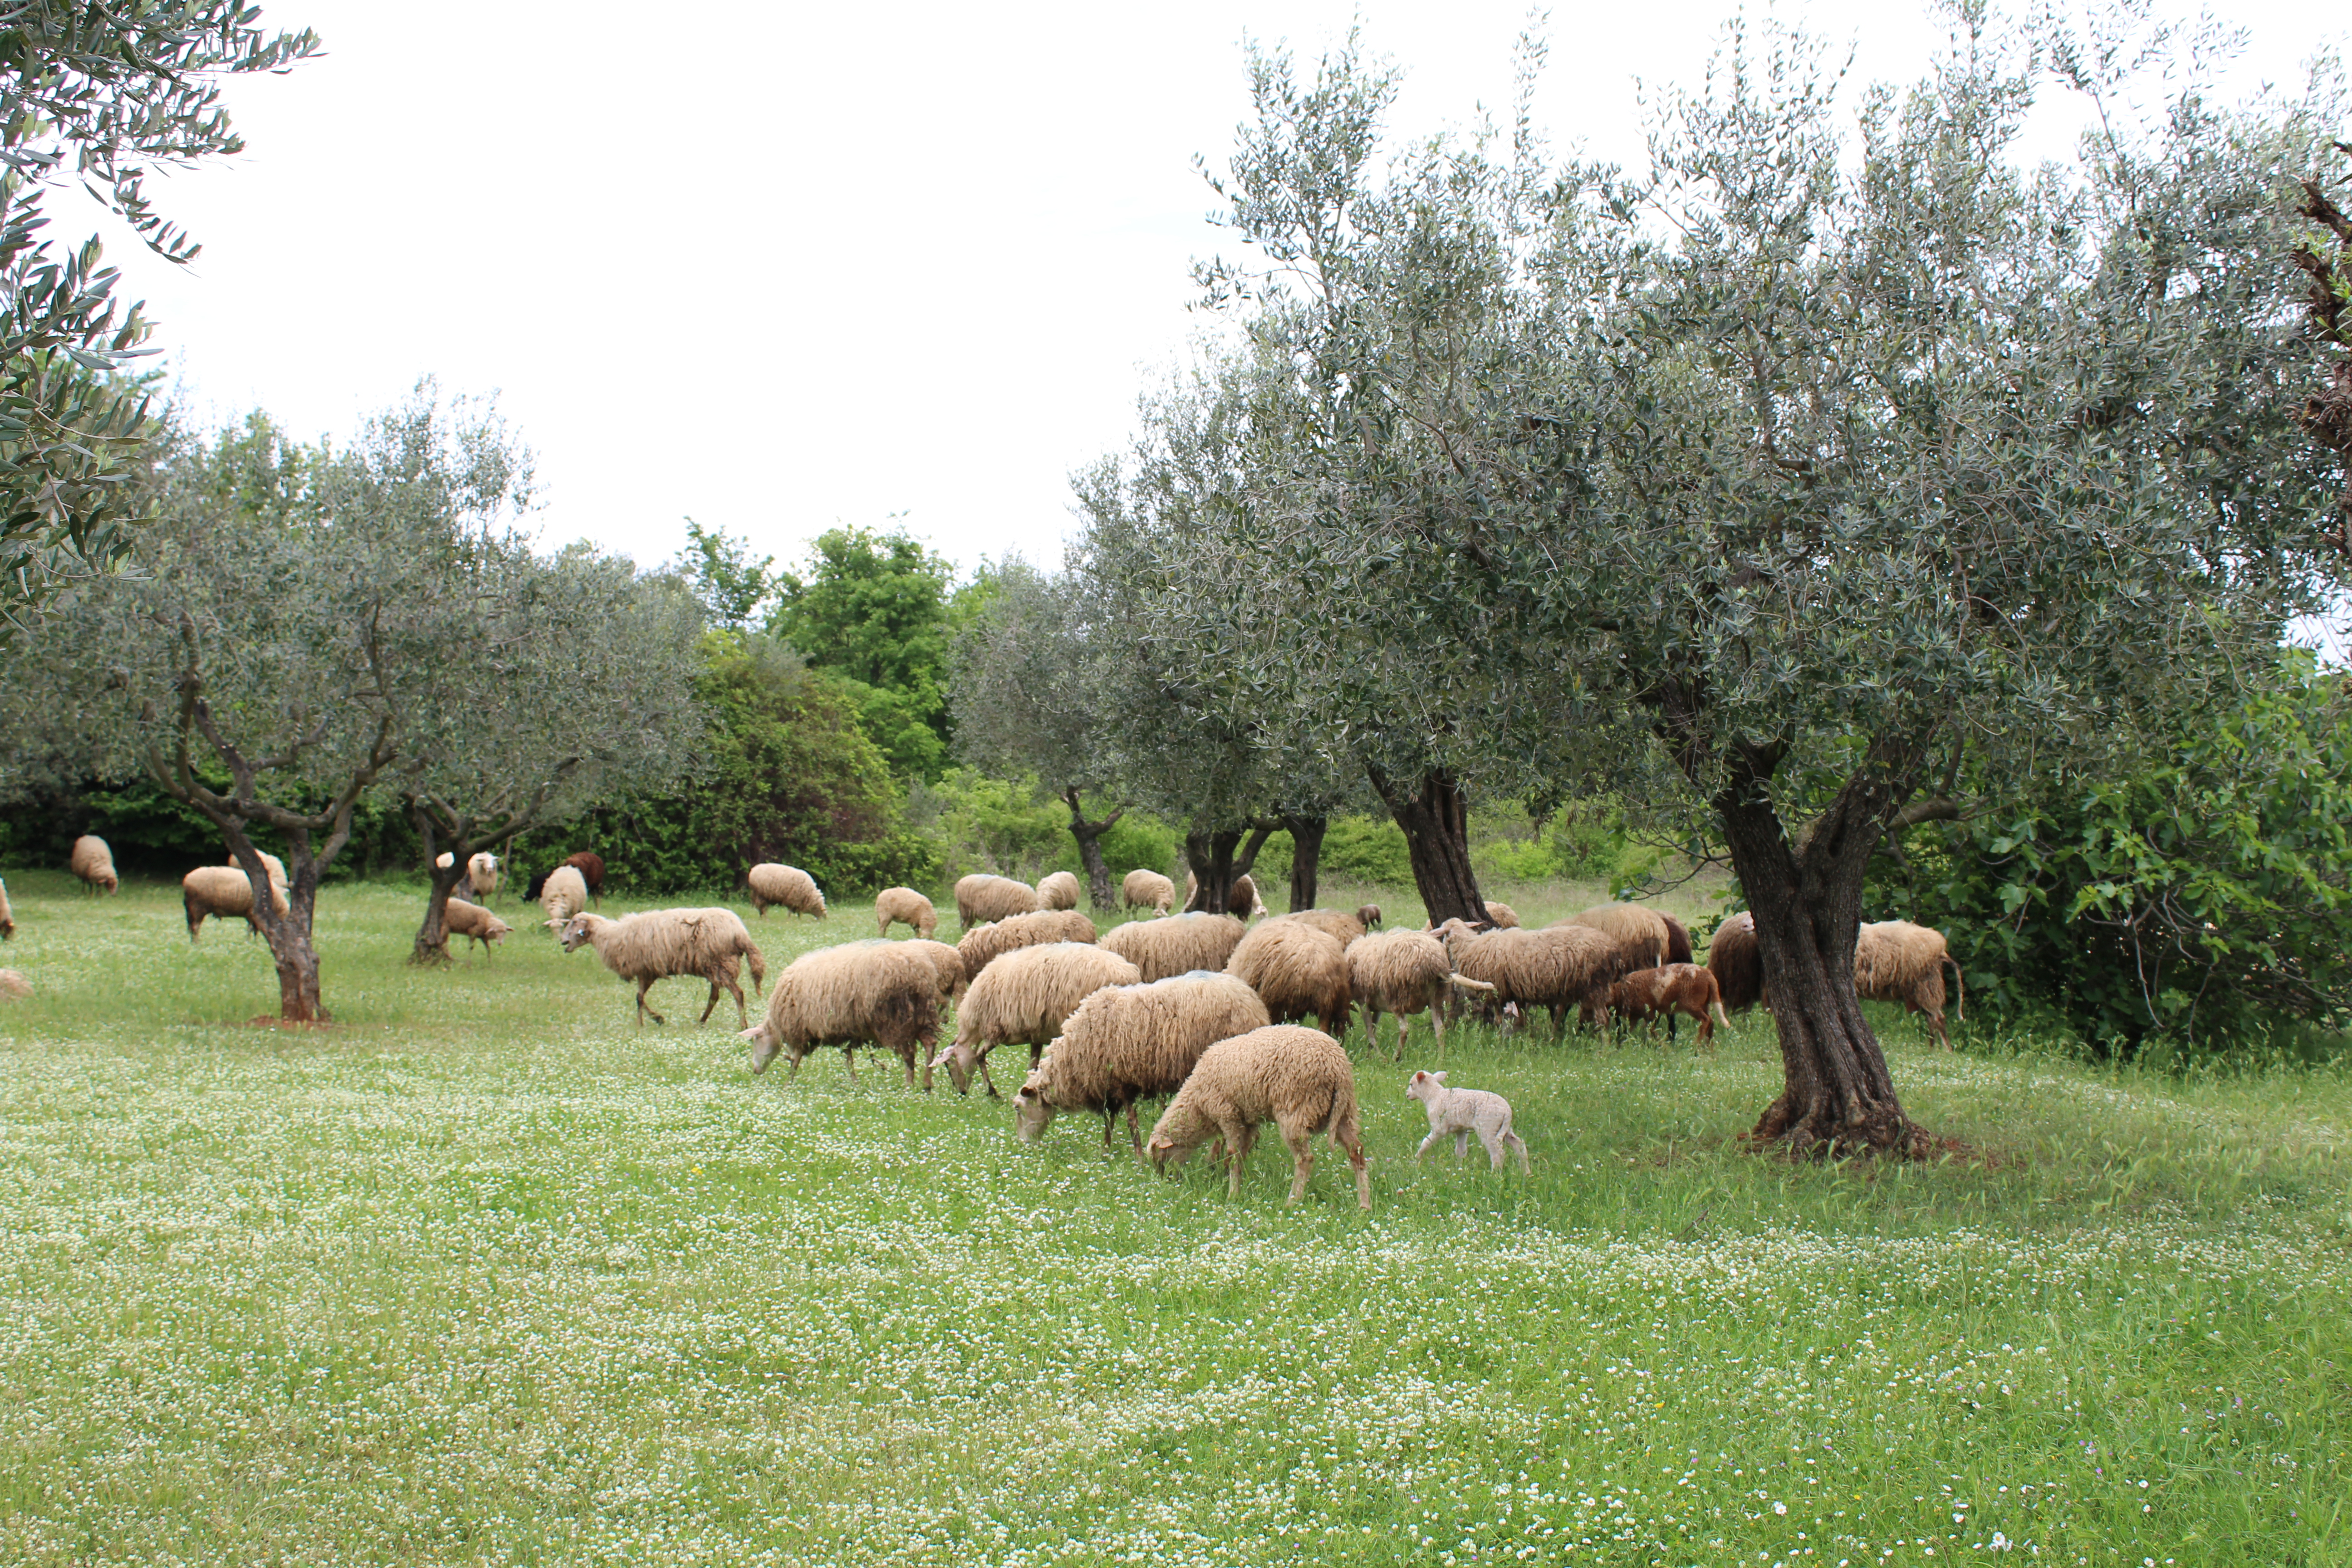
(563, 895)
(14, 986)
(1296, 1078)
(980, 899)
(1738, 967)
(945, 958)
(1461, 1111)
(1670, 989)
(7, 918)
(706, 942)
(1678, 941)
(1502, 917)
(1177, 945)
(1403, 972)
(1022, 997)
(789, 886)
(1059, 891)
(1299, 970)
(590, 867)
(93, 862)
(1368, 916)
(1133, 1043)
(1241, 898)
(1141, 890)
(1336, 924)
(1640, 932)
(275, 869)
(1895, 960)
(474, 922)
(216, 890)
(1557, 967)
(482, 874)
(982, 943)
(881, 992)
(906, 907)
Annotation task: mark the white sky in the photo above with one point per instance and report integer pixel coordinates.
(776, 267)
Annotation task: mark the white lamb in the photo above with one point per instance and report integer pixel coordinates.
(1462, 1111)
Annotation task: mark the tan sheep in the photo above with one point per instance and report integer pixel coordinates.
(946, 960)
(906, 907)
(275, 869)
(482, 875)
(1141, 890)
(979, 898)
(1336, 924)
(1241, 898)
(1738, 967)
(709, 943)
(1022, 997)
(218, 891)
(788, 886)
(1301, 972)
(1404, 973)
(982, 943)
(7, 916)
(879, 992)
(1502, 917)
(1132, 1042)
(1895, 960)
(563, 895)
(1059, 891)
(1668, 991)
(1297, 1079)
(1368, 916)
(14, 986)
(93, 862)
(474, 922)
(1559, 967)
(1177, 945)
(1640, 932)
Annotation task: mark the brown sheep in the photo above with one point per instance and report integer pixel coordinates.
(1301, 972)
(980, 899)
(1669, 991)
(1295, 1078)
(882, 992)
(1368, 916)
(1177, 945)
(1132, 1042)
(982, 943)
(1895, 960)
(1738, 967)
(904, 906)
(1403, 972)
(1022, 997)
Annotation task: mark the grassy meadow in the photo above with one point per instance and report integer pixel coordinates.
(483, 1273)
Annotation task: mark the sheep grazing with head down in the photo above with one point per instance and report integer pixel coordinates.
(1678, 941)
(563, 895)
(1241, 898)
(903, 907)
(982, 943)
(1177, 945)
(1669, 991)
(1461, 1112)
(275, 869)
(1404, 973)
(1141, 890)
(1502, 917)
(1296, 1078)
(7, 917)
(1895, 960)
(1338, 925)
(945, 958)
(1738, 967)
(220, 892)
(471, 921)
(1368, 916)
(1059, 891)
(1639, 930)
(880, 993)
(93, 862)
(709, 943)
(1132, 1042)
(1559, 967)
(787, 886)
(1022, 998)
(1300, 972)
(980, 899)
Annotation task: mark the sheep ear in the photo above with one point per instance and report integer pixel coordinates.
(1437, 1077)
(1419, 1076)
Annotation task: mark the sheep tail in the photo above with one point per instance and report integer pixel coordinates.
(1959, 991)
(750, 951)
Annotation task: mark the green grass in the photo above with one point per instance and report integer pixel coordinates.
(484, 1274)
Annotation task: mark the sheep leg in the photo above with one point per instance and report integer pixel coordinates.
(1134, 1129)
(1462, 1143)
(1349, 1134)
(1302, 1160)
(907, 1060)
(1494, 1147)
(1238, 1141)
(981, 1061)
(644, 1007)
(1435, 1132)
(707, 1006)
(849, 1059)
(1404, 1032)
(1511, 1140)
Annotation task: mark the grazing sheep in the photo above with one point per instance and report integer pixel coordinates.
(881, 992)
(1024, 996)
(1895, 960)
(1502, 917)
(1640, 932)
(946, 960)
(1059, 891)
(980, 899)
(1557, 967)
(482, 874)
(1368, 916)
(1738, 967)
(275, 869)
(93, 862)
(7, 919)
(590, 867)
(906, 907)
(1295, 1078)
(14, 986)
(1241, 898)
(1669, 991)
(1679, 942)
(1141, 890)
(473, 921)
(563, 895)
(1462, 1111)
(1403, 972)
(1336, 924)
(1300, 971)
(1132, 1042)
(1177, 945)
(789, 886)
(982, 943)
(216, 890)
(658, 944)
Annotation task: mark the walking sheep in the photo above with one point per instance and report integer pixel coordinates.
(219, 890)
(789, 886)
(1461, 1111)
(1403, 972)
(982, 943)
(1368, 916)
(882, 993)
(1022, 997)
(1295, 1078)
(979, 898)
(1336, 924)
(1301, 972)
(563, 895)
(1059, 891)
(1177, 945)
(1669, 991)
(1640, 932)
(946, 960)
(1141, 890)
(1132, 1042)
(471, 921)
(1241, 898)
(1559, 967)
(706, 942)
(93, 862)
(1895, 960)
(906, 907)
(1738, 967)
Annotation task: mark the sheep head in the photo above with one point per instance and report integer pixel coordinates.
(764, 1046)
(581, 930)
(959, 1059)
(1031, 1112)
(1426, 1087)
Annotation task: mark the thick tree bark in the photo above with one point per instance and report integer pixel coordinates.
(1209, 858)
(1306, 858)
(1089, 837)
(432, 943)
(291, 948)
(1436, 823)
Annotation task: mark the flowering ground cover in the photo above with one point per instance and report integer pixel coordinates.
(485, 1274)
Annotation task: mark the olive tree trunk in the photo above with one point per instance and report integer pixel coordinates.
(1306, 858)
(1209, 858)
(1436, 821)
(1089, 837)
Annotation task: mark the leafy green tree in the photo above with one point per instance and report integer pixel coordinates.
(872, 608)
(735, 590)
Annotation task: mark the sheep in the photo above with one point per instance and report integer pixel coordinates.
(564, 894)
(658, 944)
(980, 899)
(1368, 916)
(1177, 945)
(1338, 925)
(1403, 972)
(1299, 970)
(1296, 1078)
(1640, 932)
(1678, 941)
(789, 886)
(459, 917)
(275, 869)
(904, 906)
(221, 890)
(7, 919)
(1462, 1111)
(93, 862)
(882, 992)
(1059, 891)
(1240, 899)
(982, 943)
(14, 986)
(1670, 989)
(1132, 1042)
(1738, 967)
(1141, 890)
(590, 867)
(1559, 967)
(1895, 960)
(946, 960)
(1024, 996)
(482, 874)
(1502, 917)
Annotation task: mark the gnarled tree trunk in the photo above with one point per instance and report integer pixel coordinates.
(288, 935)
(1089, 837)
(1306, 858)
(1436, 823)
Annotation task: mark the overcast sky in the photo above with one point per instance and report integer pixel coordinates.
(776, 267)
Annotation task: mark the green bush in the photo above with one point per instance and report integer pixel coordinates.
(1004, 826)
(1365, 849)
